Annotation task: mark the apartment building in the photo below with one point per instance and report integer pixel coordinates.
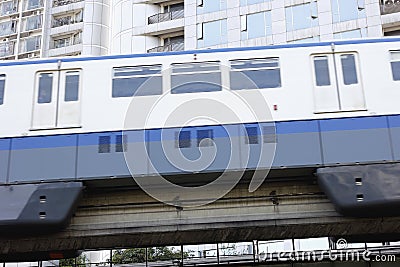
(53, 28)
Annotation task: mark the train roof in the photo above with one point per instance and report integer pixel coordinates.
(204, 51)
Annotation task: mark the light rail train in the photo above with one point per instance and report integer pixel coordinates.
(70, 120)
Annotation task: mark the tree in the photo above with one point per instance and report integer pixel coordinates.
(138, 255)
(81, 260)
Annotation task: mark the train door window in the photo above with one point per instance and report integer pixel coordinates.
(71, 86)
(2, 87)
(183, 139)
(349, 69)
(137, 81)
(395, 63)
(321, 67)
(255, 74)
(205, 138)
(195, 77)
(337, 85)
(45, 88)
(251, 135)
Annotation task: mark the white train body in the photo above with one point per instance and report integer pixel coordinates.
(298, 97)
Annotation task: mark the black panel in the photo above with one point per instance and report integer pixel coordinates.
(364, 190)
(45, 208)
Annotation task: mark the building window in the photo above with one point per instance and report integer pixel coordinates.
(305, 40)
(8, 27)
(255, 74)
(33, 23)
(195, 77)
(212, 33)
(256, 25)
(8, 7)
(395, 63)
(137, 81)
(208, 6)
(252, 2)
(301, 16)
(344, 10)
(31, 44)
(32, 4)
(2, 87)
(354, 34)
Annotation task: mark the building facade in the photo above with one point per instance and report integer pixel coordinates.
(53, 28)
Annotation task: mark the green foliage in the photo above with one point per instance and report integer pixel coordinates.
(71, 262)
(138, 255)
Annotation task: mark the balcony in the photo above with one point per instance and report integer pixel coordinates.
(390, 6)
(179, 46)
(68, 20)
(161, 17)
(6, 49)
(64, 2)
(67, 41)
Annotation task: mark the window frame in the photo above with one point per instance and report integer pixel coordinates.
(135, 68)
(232, 69)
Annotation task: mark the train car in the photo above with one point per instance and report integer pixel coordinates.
(71, 120)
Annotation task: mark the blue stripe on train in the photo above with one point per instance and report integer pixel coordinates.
(154, 135)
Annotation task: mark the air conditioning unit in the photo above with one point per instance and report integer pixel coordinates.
(31, 55)
(388, 3)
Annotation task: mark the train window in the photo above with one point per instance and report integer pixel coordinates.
(251, 135)
(45, 88)
(104, 144)
(121, 143)
(183, 139)
(195, 77)
(137, 81)
(321, 67)
(255, 74)
(71, 86)
(269, 134)
(204, 138)
(349, 69)
(2, 87)
(395, 62)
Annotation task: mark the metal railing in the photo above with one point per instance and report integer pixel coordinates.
(390, 6)
(179, 46)
(161, 17)
(64, 2)
(64, 21)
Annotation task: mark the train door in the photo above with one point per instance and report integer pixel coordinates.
(57, 99)
(337, 83)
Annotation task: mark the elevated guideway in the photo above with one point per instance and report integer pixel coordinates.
(123, 216)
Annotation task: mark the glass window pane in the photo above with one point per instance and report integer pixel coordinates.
(104, 144)
(137, 81)
(45, 88)
(2, 87)
(349, 69)
(71, 86)
(183, 139)
(322, 71)
(214, 33)
(121, 143)
(251, 135)
(395, 64)
(195, 77)
(255, 74)
(204, 138)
